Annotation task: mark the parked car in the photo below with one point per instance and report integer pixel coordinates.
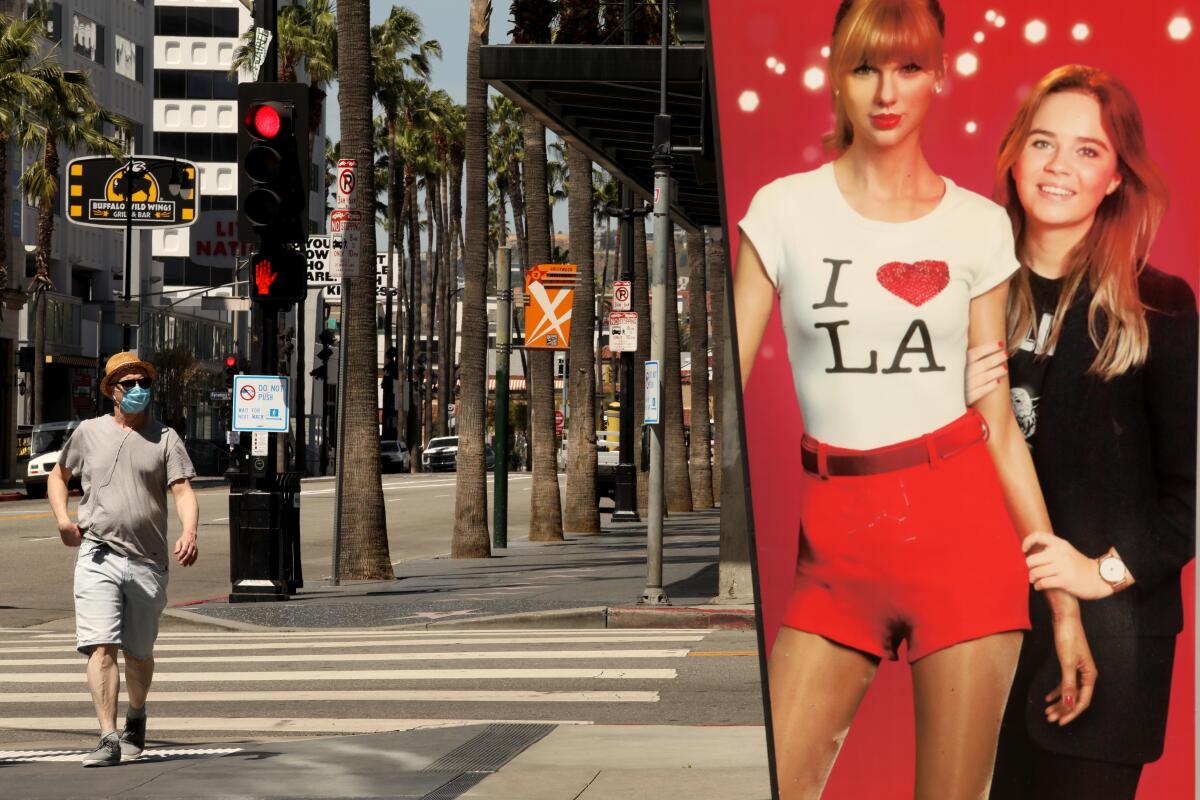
(442, 454)
(394, 456)
(45, 445)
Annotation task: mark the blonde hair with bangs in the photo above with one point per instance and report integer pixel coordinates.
(876, 32)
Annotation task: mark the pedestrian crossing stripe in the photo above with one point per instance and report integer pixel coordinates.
(368, 675)
(28, 756)
(373, 695)
(469, 655)
(306, 725)
(518, 634)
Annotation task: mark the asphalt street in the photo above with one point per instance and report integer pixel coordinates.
(420, 513)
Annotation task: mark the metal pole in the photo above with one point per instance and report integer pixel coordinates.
(503, 350)
(300, 393)
(654, 594)
(126, 330)
(626, 485)
(339, 457)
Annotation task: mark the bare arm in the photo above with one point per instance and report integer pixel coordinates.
(1023, 495)
(753, 297)
(56, 492)
(188, 509)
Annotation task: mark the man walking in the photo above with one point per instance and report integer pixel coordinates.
(126, 462)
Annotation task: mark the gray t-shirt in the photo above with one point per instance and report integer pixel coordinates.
(125, 475)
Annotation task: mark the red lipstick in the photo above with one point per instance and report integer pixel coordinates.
(885, 122)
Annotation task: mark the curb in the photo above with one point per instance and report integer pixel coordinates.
(7, 496)
(616, 617)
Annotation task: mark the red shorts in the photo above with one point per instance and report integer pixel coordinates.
(926, 554)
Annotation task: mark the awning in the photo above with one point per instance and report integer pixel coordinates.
(603, 99)
(516, 384)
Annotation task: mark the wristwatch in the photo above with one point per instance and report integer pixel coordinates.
(1112, 569)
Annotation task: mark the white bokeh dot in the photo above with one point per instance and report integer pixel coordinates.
(748, 100)
(1035, 31)
(989, 15)
(1179, 28)
(780, 68)
(966, 64)
(825, 51)
(1000, 21)
(1081, 31)
(978, 37)
(771, 62)
(971, 126)
(814, 78)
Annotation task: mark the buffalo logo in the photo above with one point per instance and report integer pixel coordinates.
(144, 188)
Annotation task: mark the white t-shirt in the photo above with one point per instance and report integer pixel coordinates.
(876, 313)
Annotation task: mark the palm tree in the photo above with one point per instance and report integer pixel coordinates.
(699, 449)
(470, 496)
(24, 80)
(605, 193)
(363, 534)
(641, 306)
(67, 115)
(677, 485)
(532, 20)
(716, 265)
(582, 515)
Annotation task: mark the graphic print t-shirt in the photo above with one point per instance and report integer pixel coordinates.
(875, 313)
(1027, 366)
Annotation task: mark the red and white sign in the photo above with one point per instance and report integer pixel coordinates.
(622, 332)
(558, 423)
(214, 240)
(347, 171)
(342, 219)
(622, 295)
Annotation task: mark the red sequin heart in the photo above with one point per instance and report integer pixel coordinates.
(917, 283)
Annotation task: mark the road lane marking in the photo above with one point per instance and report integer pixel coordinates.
(471, 655)
(619, 634)
(383, 643)
(561, 673)
(717, 653)
(359, 695)
(269, 724)
(149, 754)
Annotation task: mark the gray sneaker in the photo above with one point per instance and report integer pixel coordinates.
(133, 738)
(106, 754)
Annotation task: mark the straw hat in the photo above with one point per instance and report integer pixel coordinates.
(120, 364)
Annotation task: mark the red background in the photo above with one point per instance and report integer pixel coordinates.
(782, 135)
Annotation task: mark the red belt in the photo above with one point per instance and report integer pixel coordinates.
(825, 460)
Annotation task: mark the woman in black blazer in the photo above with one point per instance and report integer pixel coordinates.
(1102, 369)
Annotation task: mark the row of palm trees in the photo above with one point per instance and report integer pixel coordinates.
(426, 150)
(44, 110)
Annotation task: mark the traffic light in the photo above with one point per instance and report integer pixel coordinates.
(273, 159)
(327, 340)
(278, 276)
(231, 369)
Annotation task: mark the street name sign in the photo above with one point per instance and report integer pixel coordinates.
(96, 189)
(260, 403)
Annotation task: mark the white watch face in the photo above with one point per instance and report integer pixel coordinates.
(1112, 570)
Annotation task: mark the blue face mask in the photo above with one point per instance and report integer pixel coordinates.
(135, 400)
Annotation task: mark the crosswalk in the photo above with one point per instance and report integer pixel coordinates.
(229, 686)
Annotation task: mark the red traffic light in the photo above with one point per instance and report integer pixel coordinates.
(265, 121)
(230, 362)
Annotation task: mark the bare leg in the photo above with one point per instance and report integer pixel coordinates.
(959, 694)
(816, 687)
(104, 681)
(139, 672)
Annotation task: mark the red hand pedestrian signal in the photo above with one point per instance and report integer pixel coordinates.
(264, 276)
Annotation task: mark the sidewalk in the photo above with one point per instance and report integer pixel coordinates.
(585, 581)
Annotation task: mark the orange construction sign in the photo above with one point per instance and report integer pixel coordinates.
(549, 298)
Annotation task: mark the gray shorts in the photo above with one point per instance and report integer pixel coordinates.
(118, 600)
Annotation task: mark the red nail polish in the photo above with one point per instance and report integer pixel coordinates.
(1069, 701)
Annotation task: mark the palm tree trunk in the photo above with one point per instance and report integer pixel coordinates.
(470, 498)
(413, 422)
(429, 302)
(456, 178)
(418, 282)
(42, 283)
(545, 504)
(5, 136)
(364, 549)
(699, 448)
(677, 484)
(600, 395)
(449, 284)
(716, 265)
(581, 514)
(641, 305)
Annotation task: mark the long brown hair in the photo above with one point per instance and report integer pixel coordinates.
(876, 32)
(1113, 253)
